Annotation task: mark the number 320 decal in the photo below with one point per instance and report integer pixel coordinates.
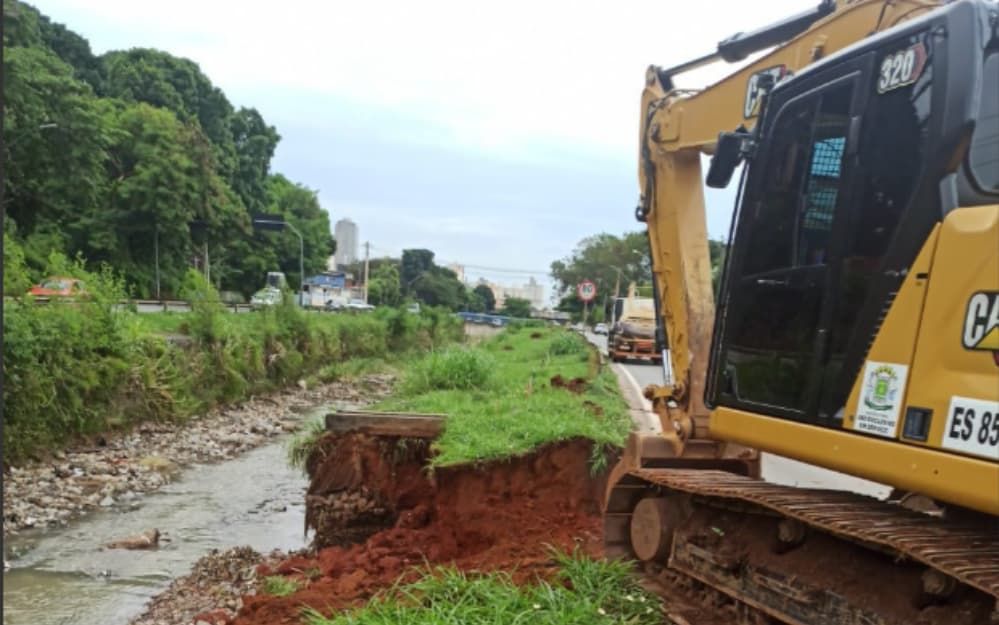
(902, 68)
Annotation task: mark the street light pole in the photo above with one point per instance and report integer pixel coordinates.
(617, 290)
(156, 251)
(367, 253)
(301, 264)
(265, 222)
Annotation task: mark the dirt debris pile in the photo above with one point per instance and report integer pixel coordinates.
(211, 593)
(381, 515)
(575, 385)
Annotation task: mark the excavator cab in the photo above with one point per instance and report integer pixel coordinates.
(853, 164)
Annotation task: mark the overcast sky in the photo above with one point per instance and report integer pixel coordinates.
(495, 134)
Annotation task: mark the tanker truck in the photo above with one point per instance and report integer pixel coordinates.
(633, 333)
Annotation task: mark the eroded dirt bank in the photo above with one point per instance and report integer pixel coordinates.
(379, 513)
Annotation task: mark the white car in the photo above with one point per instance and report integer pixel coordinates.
(358, 304)
(267, 296)
(600, 328)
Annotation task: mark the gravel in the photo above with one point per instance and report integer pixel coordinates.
(212, 592)
(122, 466)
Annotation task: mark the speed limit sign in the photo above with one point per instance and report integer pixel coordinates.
(586, 291)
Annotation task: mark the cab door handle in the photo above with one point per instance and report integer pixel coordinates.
(769, 282)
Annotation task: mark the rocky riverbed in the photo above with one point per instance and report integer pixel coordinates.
(118, 467)
(212, 592)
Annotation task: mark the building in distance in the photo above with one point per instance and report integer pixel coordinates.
(345, 233)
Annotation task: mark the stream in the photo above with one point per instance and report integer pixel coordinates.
(65, 577)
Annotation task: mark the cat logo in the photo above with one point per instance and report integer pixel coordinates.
(981, 323)
(754, 92)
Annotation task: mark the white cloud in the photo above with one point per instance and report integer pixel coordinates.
(538, 83)
(499, 76)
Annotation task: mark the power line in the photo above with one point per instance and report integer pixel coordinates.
(510, 270)
(504, 269)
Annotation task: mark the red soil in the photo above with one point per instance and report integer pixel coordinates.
(575, 385)
(497, 515)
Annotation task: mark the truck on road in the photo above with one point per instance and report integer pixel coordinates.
(633, 333)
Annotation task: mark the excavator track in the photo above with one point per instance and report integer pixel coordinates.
(965, 551)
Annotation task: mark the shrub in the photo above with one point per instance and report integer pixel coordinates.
(567, 343)
(450, 369)
(77, 369)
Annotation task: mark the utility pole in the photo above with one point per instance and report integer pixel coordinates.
(367, 253)
(208, 266)
(156, 251)
(617, 290)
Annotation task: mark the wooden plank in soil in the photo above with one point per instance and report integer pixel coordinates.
(409, 425)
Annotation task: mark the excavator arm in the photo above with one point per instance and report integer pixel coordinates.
(677, 126)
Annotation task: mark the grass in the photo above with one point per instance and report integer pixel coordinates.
(499, 399)
(590, 592)
(281, 586)
(301, 445)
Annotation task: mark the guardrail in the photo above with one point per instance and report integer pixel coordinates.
(152, 306)
(143, 305)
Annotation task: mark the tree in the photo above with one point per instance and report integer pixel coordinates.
(102, 154)
(598, 258)
(165, 81)
(414, 263)
(163, 177)
(517, 307)
(474, 302)
(384, 288)
(300, 207)
(487, 296)
(255, 142)
(55, 150)
(440, 287)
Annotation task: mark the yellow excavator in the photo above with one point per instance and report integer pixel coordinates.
(856, 327)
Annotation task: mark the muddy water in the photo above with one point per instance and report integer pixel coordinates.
(64, 577)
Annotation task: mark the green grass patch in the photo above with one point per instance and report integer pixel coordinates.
(301, 445)
(586, 592)
(505, 405)
(280, 586)
(455, 368)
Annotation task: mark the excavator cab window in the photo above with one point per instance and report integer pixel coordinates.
(790, 210)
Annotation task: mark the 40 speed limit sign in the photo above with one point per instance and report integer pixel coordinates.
(586, 291)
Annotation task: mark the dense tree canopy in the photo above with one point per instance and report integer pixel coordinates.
(384, 288)
(487, 296)
(116, 156)
(598, 259)
(429, 283)
(517, 307)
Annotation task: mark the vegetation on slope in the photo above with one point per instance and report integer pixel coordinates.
(78, 368)
(501, 400)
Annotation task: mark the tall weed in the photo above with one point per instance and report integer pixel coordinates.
(80, 368)
(451, 369)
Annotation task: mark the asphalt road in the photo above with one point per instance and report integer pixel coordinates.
(777, 469)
